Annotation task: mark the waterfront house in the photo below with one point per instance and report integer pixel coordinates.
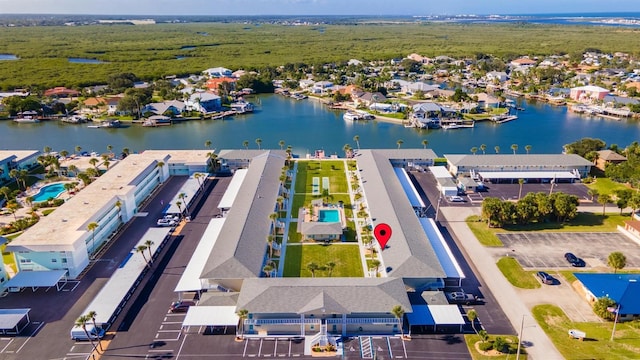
(204, 102)
(497, 76)
(522, 62)
(214, 84)
(487, 101)
(112, 106)
(169, 108)
(218, 72)
(588, 93)
(306, 84)
(366, 99)
(608, 157)
(322, 87)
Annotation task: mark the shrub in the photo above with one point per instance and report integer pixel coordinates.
(500, 344)
(485, 346)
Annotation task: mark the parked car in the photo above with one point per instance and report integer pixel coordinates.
(545, 278)
(456, 198)
(165, 222)
(574, 260)
(171, 217)
(181, 306)
(460, 297)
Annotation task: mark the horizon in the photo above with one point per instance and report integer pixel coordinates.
(379, 8)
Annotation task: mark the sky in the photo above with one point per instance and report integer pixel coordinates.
(313, 7)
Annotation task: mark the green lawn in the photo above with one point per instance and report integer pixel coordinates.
(513, 347)
(334, 170)
(8, 258)
(584, 222)
(346, 258)
(606, 186)
(47, 211)
(555, 323)
(513, 272)
(294, 235)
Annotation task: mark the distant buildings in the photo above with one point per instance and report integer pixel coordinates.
(589, 93)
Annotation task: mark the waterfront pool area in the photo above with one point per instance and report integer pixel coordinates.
(329, 216)
(49, 191)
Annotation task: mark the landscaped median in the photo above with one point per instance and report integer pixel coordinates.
(513, 272)
(510, 350)
(597, 344)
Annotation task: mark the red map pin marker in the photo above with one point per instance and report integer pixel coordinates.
(382, 233)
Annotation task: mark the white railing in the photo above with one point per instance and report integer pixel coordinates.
(280, 321)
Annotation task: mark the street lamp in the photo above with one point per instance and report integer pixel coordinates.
(520, 338)
(438, 206)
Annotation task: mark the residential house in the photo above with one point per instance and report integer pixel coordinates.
(487, 101)
(204, 102)
(624, 289)
(410, 87)
(218, 72)
(497, 76)
(112, 106)
(214, 84)
(354, 62)
(523, 62)
(588, 94)
(306, 84)
(366, 99)
(170, 108)
(94, 105)
(322, 87)
(608, 157)
(419, 58)
(60, 91)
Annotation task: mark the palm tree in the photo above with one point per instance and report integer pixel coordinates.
(347, 150)
(268, 268)
(357, 140)
(92, 315)
(118, 204)
(520, 182)
(400, 142)
(47, 150)
(93, 162)
(259, 142)
(483, 148)
(246, 144)
(183, 196)
(313, 267)
(141, 249)
(330, 266)
(242, 316)
(109, 149)
(281, 143)
(82, 322)
(472, 315)
(280, 201)
(425, 143)
(474, 150)
(497, 149)
(207, 144)
(604, 199)
(106, 164)
(273, 217)
(514, 147)
(198, 176)
(270, 239)
(398, 312)
(593, 193)
(78, 149)
(375, 265)
(6, 191)
(179, 205)
(126, 151)
(148, 244)
(64, 153)
(92, 226)
(527, 148)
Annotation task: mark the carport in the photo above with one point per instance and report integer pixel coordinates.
(539, 176)
(435, 315)
(211, 316)
(13, 321)
(232, 190)
(37, 279)
(409, 188)
(449, 264)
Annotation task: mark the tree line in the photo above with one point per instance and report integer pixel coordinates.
(532, 208)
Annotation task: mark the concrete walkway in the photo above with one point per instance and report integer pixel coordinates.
(539, 346)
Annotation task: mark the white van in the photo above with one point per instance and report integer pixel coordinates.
(78, 333)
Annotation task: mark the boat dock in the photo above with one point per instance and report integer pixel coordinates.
(503, 118)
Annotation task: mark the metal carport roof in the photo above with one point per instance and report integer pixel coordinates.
(10, 320)
(435, 315)
(211, 316)
(232, 190)
(527, 175)
(190, 279)
(409, 188)
(36, 279)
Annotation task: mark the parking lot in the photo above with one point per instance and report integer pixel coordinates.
(512, 191)
(546, 250)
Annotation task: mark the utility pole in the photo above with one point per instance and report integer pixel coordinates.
(520, 338)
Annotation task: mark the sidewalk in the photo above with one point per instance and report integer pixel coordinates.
(539, 346)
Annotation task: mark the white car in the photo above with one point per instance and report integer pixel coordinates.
(166, 222)
(456, 199)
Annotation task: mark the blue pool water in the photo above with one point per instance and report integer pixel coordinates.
(49, 191)
(329, 216)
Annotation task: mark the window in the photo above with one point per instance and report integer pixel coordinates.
(25, 261)
(54, 260)
(64, 261)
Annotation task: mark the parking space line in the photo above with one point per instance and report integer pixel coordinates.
(5, 348)
(31, 336)
(260, 348)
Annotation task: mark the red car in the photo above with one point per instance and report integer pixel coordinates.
(181, 306)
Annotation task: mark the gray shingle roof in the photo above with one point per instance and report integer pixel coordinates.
(400, 154)
(518, 160)
(320, 228)
(240, 249)
(334, 295)
(409, 253)
(217, 298)
(609, 155)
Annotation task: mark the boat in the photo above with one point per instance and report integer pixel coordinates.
(455, 125)
(299, 96)
(503, 118)
(75, 119)
(351, 116)
(241, 107)
(26, 120)
(109, 124)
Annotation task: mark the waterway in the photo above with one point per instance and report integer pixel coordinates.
(308, 125)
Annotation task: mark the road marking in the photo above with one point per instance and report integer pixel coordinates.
(30, 336)
(5, 348)
(160, 351)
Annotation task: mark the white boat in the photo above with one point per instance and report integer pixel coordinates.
(26, 120)
(351, 116)
(75, 119)
(241, 107)
(457, 125)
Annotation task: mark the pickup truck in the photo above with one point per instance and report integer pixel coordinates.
(460, 297)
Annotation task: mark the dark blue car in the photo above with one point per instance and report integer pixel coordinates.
(574, 260)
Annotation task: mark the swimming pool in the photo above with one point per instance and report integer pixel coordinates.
(49, 191)
(329, 216)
